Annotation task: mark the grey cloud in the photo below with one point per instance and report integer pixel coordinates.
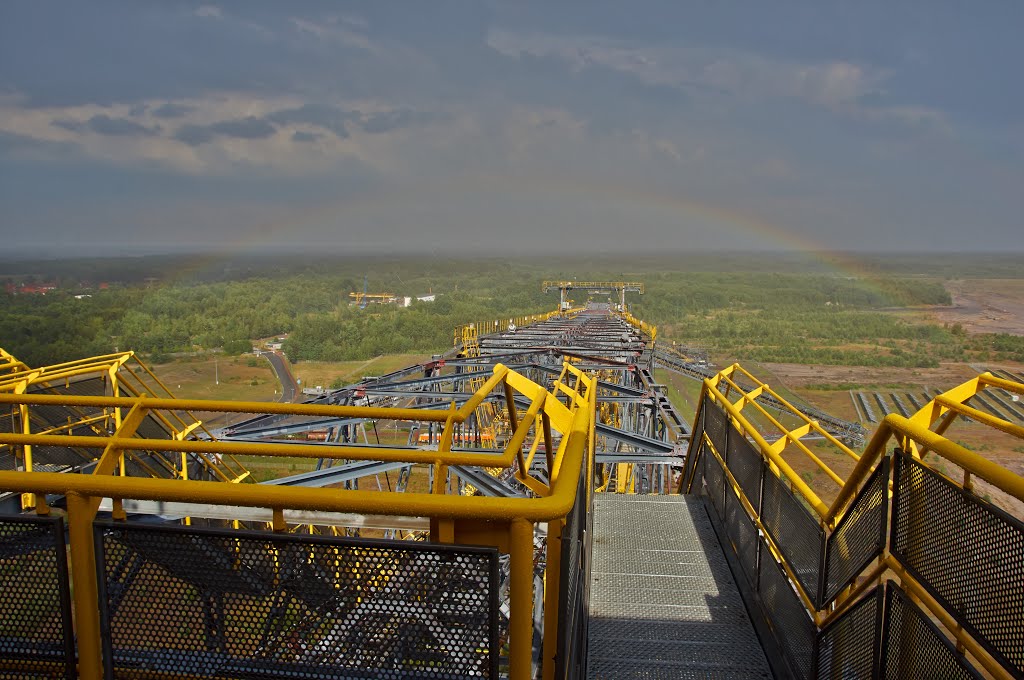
(14, 143)
(339, 120)
(242, 128)
(303, 136)
(105, 125)
(171, 110)
(72, 125)
(394, 120)
(194, 135)
(321, 115)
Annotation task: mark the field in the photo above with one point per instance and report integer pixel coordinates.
(207, 377)
(341, 373)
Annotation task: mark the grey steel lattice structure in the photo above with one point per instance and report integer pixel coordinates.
(641, 427)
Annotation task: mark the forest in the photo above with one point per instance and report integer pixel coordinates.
(742, 307)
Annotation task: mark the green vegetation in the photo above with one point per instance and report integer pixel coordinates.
(813, 319)
(775, 309)
(312, 303)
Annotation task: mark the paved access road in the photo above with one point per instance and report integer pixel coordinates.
(289, 388)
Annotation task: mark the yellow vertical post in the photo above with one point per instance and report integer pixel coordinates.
(184, 475)
(552, 586)
(86, 595)
(27, 499)
(521, 600)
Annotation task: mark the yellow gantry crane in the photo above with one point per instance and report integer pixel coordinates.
(594, 287)
(362, 299)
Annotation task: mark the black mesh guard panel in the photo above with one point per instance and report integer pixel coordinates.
(714, 482)
(966, 552)
(203, 603)
(849, 647)
(716, 424)
(35, 601)
(743, 535)
(793, 628)
(860, 535)
(912, 646)
(795, 531)
(745, 465)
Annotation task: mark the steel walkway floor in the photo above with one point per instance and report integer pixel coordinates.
(663, 603)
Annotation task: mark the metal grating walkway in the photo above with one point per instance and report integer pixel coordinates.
(663, 603)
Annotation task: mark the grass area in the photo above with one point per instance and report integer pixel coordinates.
(683, 392)
(230, 378)
(341, 373)
(264, 468)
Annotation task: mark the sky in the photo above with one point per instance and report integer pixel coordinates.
(511, 127)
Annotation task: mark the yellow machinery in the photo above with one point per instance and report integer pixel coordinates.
(362, 299)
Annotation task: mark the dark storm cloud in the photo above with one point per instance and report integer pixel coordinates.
(107, 125)
(171, 110)
(194, 135)
(848, 123)
(303, 136)
(242, 128)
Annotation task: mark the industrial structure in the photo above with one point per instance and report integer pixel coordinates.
(531, 504)
(619, 288)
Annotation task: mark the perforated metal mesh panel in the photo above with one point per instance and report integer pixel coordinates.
(152, 428)
(860, 535)
(849, 647)
(716, 424)
(912, 646)
(714, 482)
(35, 609)
(743, 534)
(58, 415)
(194, 602)
(794, 630)
(573, 594)
(794, 530)
(745, 464)
(692, 461)
(51, 455)
(966, 552)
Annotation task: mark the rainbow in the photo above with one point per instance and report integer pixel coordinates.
(527, 188)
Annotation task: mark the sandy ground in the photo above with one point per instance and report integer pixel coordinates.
(985, 305)
(797, 376)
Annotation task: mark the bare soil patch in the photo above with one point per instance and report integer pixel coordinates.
(985, 305)
(810, 376)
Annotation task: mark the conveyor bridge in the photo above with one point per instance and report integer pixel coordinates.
(553, 516)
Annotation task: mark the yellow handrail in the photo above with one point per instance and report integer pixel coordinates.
(504, 522)
(913, 435)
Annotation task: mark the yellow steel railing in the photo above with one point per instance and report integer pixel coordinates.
(468, 334)
(122, 374)
(646, 328)
(919, 435)
(561, 420)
